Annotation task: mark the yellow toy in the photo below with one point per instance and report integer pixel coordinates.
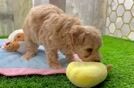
(87, 74)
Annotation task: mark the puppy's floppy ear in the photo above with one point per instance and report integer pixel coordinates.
(75, 31)
(78, 34)
(82, 37)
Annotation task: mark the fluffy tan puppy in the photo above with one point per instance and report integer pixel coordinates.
(50, 26)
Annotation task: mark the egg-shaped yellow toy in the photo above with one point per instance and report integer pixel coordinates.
(86, 74)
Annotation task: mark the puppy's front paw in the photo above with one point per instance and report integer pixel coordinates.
(55, 65)
(27, 56)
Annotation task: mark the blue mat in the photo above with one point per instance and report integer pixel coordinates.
(11, 60)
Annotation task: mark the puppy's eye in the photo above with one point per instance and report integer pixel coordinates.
(18, 36)
(89, 50)
(86, 56)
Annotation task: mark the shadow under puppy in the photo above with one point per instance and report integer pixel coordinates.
(50, 26)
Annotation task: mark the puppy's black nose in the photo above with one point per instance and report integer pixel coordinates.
(7, 43)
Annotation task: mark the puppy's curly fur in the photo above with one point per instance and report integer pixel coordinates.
(50, 26)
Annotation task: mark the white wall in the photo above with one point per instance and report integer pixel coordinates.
(38, 2)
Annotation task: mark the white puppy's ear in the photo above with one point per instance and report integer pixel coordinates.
(13, 34)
